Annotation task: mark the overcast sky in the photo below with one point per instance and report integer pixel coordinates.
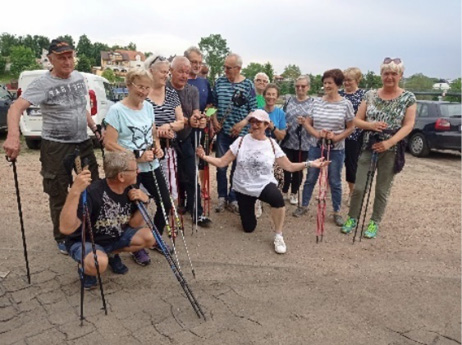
(315, 35)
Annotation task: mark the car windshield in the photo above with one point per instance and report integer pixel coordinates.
(451, 110)
(108, 90)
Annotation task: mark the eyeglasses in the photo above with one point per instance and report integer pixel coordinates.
(300, 86)
(160, 58)
(255, 122)
(142, 88)
(261, 80)
(229, 67)
(199, 63)
(136, 170)
(389, 60)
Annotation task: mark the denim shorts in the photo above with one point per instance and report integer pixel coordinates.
(75, 251)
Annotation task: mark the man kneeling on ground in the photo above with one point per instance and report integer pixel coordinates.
(116, 223)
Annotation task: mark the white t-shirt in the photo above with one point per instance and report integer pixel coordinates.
(254, 164)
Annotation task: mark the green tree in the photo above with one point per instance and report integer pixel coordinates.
(68, 39)
(109, 75)
(147, 54)
(418, 82)
(315, 84)
(131, 46)
(251, 70)
(7, 41)
(215, 49)
(22, 59)
(455, 88)
(97, 49)
(2, 64)
(291, 72)
(370, 81)
(269, 70)
(84, 47)
(84, 64)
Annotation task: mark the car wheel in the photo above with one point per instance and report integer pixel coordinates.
(418, 145)
(33, 144)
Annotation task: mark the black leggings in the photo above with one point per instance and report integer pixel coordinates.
(293, 179)
(270, 194)
(352, 151)
(147, 179)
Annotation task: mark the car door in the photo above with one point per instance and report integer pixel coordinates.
(5, 101)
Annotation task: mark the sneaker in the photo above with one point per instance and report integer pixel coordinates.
(141, 257)
(293, 199)
(62, 248)
(285, 196)
(258, 209)
(117, 265)
(203, 221)
(233, 206)
(279, 245)
(170, 250)
(220, 205)
(338, 220)
(349, 225)
(372, 229)
(300, 211)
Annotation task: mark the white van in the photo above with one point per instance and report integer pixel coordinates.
(99, 100)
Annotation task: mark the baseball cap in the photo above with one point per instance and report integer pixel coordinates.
(59, 46)
(259, 115)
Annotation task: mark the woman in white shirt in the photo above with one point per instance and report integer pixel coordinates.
(253, 179)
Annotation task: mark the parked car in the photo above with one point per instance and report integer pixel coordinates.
(437, 126)
(98, 102)
(6, 98)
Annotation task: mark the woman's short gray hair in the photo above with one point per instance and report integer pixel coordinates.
(304, 77)
(154, 61)
(261, 74)
(136, 73)
(392, 66)
(116, 162)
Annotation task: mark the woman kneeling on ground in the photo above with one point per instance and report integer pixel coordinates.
(253, 179)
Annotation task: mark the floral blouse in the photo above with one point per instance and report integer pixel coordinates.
(355, 99)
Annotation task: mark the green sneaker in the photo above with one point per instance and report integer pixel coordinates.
(349, 225)
(372, 229)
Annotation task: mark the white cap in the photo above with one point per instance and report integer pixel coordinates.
(259, 115)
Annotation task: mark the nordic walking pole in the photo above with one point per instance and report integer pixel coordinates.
(300, 174)
(21, 222)
(177, 273)
(367, 189)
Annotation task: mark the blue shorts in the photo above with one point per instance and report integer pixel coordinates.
(75, 251)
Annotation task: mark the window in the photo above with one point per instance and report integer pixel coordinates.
(451, 110)
(422, 110)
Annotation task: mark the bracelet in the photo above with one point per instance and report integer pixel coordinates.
(307, 164)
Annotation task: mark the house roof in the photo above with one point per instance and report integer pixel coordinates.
(127, 55)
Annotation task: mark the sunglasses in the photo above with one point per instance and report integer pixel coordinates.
(159, 58)
(255, 121)
(389, 60)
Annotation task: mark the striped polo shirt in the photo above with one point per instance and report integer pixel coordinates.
(222, 98)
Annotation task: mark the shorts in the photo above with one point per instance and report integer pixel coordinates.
(75, 250)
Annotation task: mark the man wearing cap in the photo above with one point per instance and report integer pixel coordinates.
(61, 95)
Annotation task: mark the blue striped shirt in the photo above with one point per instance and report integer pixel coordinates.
(222, 98)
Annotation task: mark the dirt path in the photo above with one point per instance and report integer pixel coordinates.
(402, 288)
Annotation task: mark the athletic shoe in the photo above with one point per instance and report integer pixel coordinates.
(233, 206)
(279, 245)
(372, 229)
(349, 225)
(285, 196)
(117, 265)
(62, 248)
(220, 205)
(293, 199)
(203, 221)
(300, 211)
(338, 220)
(141, 257)
(258, 209)
(157, 248)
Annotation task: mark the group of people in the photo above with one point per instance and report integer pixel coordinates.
(156, 149)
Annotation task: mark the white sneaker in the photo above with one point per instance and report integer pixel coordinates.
(258, 209)
(279, 245)
(285, 196)
(293, 199)
(233, 206)
(221, 204)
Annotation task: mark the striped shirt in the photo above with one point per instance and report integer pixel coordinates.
(331, 116)
(222, 98)
(165, 113)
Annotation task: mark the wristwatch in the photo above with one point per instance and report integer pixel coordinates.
(307, 164)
